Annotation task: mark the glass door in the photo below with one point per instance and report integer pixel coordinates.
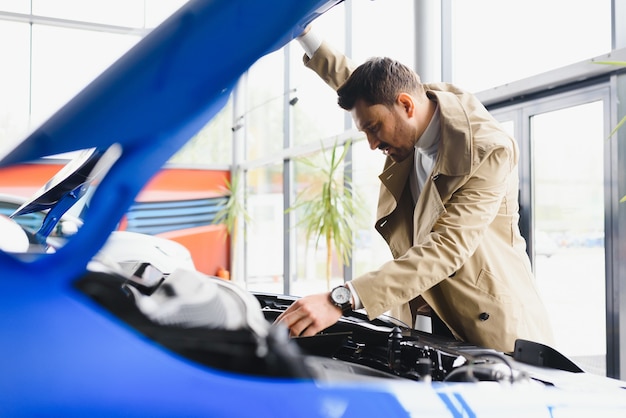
(567, 166)
(564, 151)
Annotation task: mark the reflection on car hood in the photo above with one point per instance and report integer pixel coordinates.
(67, 187)
(75, 174)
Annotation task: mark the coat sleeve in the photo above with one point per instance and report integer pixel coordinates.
(331, 65)
(457, 231)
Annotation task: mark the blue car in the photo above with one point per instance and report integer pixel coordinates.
(82, 336)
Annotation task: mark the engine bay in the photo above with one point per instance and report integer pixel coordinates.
(391, 348)
(217, 324)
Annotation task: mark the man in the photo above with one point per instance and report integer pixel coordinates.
(448, 209)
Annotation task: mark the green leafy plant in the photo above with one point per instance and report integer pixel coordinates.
(329, 207)
(233, 210)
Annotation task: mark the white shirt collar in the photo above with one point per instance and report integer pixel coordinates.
(429, 141)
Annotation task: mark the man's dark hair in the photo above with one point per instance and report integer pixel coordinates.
(378, 81)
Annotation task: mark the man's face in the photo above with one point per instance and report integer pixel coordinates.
(387, 128)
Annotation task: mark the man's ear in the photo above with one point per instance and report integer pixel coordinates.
(407, 103)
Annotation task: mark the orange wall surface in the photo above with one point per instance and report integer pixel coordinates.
(209, 246)
(184, 183)
(26, 179)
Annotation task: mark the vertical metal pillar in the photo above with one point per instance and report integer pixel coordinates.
(348, 270)
(615, 239)
(428, 40)
(289, 239)
(237, 244)
(446, 40)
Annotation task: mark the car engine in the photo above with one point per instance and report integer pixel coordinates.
(217, 324)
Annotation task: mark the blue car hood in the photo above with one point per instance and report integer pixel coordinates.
(151, 102)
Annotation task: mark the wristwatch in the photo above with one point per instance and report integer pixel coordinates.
(340, 296)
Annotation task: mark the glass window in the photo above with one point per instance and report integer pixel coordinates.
(14, 82)
(15, 6)
(317, 115)
(157, 11)
(129, 13)
(264, 233)
(66, 60)
(263, 117)
(371, 250)
(111, 12)
(495, 42)
(568, 215)
(331, 27)
(384, 29)
(310, 253)
(317, 269)
(212, 145)
(509, 127)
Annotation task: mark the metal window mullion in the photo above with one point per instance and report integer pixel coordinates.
(289, 238)
(73, 24)
(348, 269)
(238, 247)
(616, 234)
(618, 24)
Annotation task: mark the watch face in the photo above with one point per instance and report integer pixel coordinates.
(341, 295)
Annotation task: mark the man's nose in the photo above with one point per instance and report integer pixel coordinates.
(374, 143)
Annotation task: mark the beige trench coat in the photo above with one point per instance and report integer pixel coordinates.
(460, 247)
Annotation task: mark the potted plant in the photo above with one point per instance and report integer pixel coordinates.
(328, 207)
(231, 213)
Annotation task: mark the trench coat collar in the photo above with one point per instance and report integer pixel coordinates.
(455, 150)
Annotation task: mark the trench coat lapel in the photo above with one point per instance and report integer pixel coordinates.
(456, 151)
(393, 179)
(427, 210)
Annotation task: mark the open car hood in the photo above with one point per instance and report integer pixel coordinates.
(151, 101)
